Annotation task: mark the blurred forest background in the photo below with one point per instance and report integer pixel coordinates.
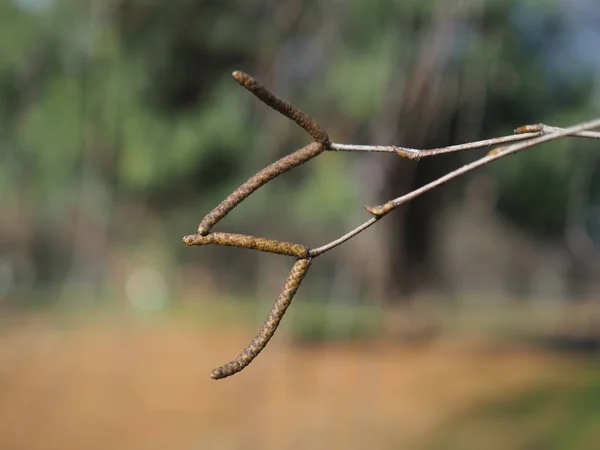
(120, 127)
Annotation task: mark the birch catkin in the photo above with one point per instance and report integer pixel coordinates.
(249, 242)
(273, 170)
(270, 326)
(281, 106)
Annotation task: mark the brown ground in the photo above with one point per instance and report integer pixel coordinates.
(127, 385)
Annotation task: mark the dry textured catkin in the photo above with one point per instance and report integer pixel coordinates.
(268, 329)
(281, 106)
(249, 242)
(273, 170)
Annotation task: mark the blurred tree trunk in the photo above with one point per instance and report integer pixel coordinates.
(421, 111)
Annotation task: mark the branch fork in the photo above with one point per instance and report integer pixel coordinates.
(524, 137)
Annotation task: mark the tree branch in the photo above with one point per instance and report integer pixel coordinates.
(529, 135)
(522, 133)
(495, 154)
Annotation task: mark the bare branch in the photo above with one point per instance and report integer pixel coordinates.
(270, 326)
(381, 210)
(479, 144)
(325, 248)
(522, 133)
(414, 153)
(545, 129)
(409, 153)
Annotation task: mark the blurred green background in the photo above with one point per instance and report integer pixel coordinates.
(468, 318)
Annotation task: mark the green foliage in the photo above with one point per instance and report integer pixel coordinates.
(534, 187)
(133, 99)
(358, 79)
(315, 322)
(150, 83)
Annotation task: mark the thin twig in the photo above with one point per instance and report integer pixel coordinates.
(548, 129)
(379, 211)
(382, 210)
(270, 326)
(314, 252)
(414, 153)
(479, 144)
(522, 133)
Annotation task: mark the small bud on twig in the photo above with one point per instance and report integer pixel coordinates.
(535, 128)
(379, 211)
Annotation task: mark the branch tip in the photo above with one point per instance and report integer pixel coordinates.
(189, 239)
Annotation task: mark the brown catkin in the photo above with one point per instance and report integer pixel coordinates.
(281, 106)
(273, 170)
(249, 242)
(270, 326)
